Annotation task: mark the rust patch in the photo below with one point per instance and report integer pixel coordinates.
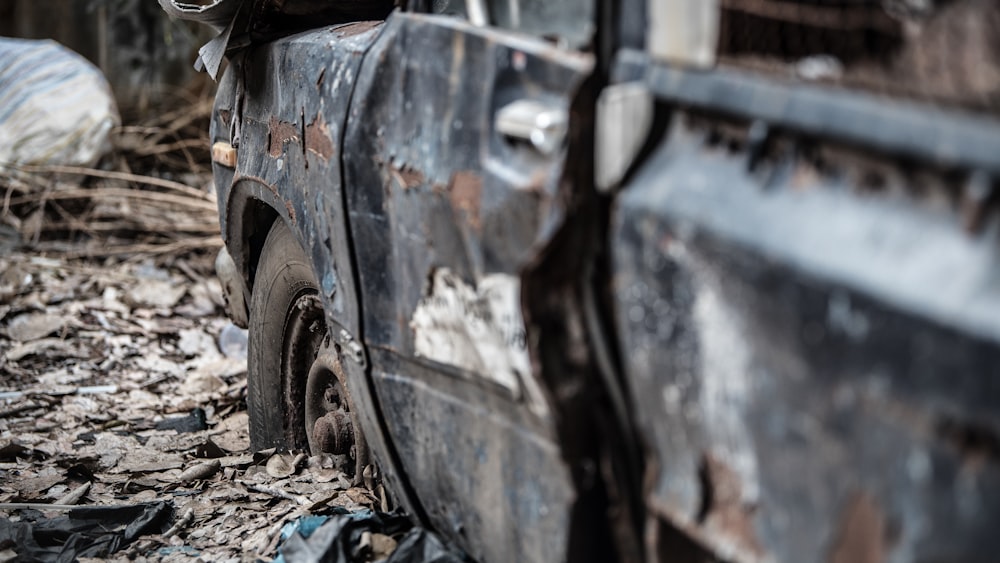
(406, 177)
(225, 115)
(356, 28)
(723, 508)
(862, 532)
(279, 133)
(290, 210)
(975, 442)
(318, 138)
(465, 190)
(537, 182)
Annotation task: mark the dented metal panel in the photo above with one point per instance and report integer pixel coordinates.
(445, 212)
(293, 96)
(479, 329)
(291, 99)
(810, 363)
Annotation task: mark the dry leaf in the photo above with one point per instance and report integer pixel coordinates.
(280, 466)
(156, 294)
(199, 471)
(32, 326)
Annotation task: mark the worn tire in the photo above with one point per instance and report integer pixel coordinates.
(274, 399)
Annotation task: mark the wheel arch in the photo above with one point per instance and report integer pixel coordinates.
(251, 210)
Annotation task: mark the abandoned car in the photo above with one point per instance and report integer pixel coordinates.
(591, 280)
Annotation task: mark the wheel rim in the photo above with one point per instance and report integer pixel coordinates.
(330, 419)
(320, 408)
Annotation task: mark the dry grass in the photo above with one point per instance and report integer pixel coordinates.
(151, 196)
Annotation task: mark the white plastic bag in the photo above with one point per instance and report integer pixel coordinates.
(55, 106)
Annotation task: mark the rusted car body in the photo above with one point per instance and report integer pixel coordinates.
(760, 325)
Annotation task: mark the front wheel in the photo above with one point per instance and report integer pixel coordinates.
(296, 389)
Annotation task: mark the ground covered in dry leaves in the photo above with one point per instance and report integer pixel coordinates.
(121, 380)
(110, 373)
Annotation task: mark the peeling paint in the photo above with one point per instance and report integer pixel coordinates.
(318, 139)
(724, 509)
(407, 177)
(279, 133)
(479, 329)
(465, 191)
(862, 532)
(725, 376)
(355, 28)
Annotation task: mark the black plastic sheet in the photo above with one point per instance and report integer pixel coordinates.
(83, 532)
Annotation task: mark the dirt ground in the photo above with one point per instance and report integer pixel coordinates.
(122, 383)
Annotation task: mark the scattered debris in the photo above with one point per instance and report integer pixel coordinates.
(193, 422)
(137, 403)
(233, 342)
(184, 522)
(200, 471)
(361, 536)
(75, 496)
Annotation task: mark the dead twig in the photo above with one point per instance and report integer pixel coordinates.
(132, 250)
(109, 226)
(177, 119)
(175, 146)
(184, 521)
(275, 493)
(74, 223)
(20, 409)
(109, 175)
(141, 130)
(156, 380)
(97, 193)
(75, 496)
(46, 395)
(43, 506)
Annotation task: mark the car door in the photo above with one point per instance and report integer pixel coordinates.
(455, 163)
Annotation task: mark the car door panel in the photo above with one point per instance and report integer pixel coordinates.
(445, 213)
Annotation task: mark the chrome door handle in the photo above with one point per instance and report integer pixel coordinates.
(534, 122)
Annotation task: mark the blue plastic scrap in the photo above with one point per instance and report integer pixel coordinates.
(336, 539)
